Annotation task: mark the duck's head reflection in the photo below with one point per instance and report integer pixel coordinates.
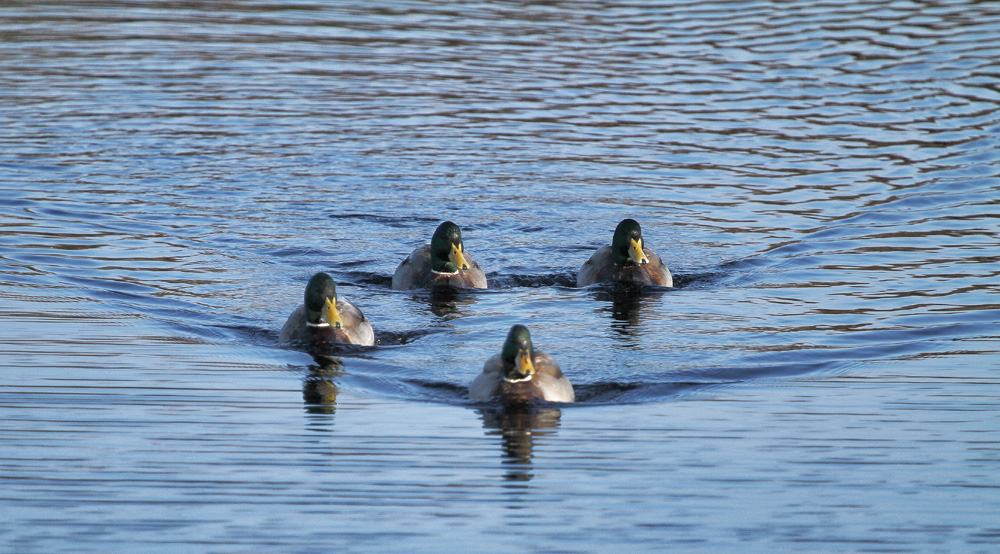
(518, 425)
(626, 304)
(319, 390)
(447, 302)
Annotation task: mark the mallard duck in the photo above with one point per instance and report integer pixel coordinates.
(442, 263)
(324, 318)
(625, 260)
(520, 373)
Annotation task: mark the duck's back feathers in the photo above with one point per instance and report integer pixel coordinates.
(601, 268)
(415, 272)
(553, 384)
(487, 384)
(355, 329)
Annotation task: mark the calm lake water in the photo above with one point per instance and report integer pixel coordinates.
(822, 178)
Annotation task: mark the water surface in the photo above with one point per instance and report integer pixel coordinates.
(823, 180)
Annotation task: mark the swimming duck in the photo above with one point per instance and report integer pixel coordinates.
(442, 263)
(625, 260)
(324, 318)
(520, 373)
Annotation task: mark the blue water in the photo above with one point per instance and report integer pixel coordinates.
(822, 179)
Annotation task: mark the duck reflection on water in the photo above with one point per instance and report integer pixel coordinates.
(626, 304)
(319, 388)
(447, 302)
(519, 424)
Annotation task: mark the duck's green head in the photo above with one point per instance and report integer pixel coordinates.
(447, 250)
(321, 302)
(626, 245)
(517, 354)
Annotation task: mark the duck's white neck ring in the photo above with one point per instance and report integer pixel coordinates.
(435, 272)
(521, 380)
(320, 325)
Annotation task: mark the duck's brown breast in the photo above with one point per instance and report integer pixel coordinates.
(521, 391)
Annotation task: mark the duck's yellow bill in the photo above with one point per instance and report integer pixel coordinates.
(635, 252)
(457, 258)
(523, 363)
(330, 314)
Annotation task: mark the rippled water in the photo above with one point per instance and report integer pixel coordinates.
(823, 180)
